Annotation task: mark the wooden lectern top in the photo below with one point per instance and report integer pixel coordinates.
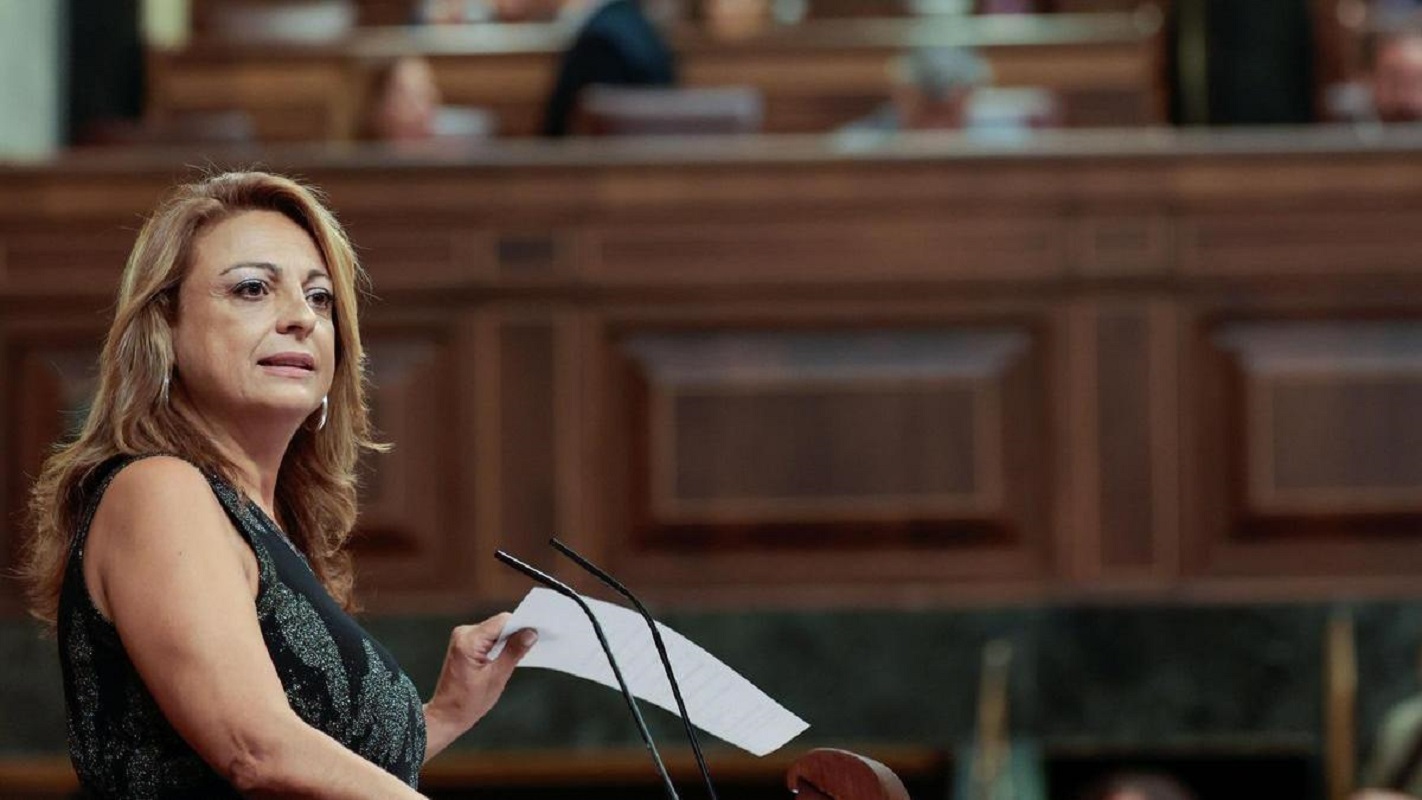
(827, 774)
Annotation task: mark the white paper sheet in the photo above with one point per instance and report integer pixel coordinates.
(718, 700)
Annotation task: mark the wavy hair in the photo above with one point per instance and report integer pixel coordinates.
(132, 414)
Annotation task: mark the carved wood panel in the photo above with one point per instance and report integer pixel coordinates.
(48, 260)
(50, 378)
(873, 453)
(408, 534)
(1312, 452)
(959, 246)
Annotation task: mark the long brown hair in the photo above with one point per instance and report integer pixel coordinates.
(132, 414)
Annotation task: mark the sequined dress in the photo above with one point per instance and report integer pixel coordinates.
(337, 678)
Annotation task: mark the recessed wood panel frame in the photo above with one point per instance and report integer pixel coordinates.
(965, 567)
(31, 415)
(1231, 532)
(666, 506)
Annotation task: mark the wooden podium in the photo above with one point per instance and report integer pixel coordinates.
(827, 774)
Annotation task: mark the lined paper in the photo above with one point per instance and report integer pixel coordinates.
(718, 699)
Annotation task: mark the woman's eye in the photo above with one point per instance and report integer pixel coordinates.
(320, 299)
(250, 289)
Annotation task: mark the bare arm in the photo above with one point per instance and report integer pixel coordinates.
(164, 563)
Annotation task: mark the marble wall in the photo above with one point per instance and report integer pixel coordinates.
(1151, 678)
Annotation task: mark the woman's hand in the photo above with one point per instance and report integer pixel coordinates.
(471, 682)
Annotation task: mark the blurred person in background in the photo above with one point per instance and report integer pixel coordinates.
(406, 106)
(613, 42)
(1397, 78)
(930, 90)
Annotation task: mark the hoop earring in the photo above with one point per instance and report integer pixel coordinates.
(163, 391)
(325, 404)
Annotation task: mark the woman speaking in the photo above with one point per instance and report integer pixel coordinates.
(189, 545)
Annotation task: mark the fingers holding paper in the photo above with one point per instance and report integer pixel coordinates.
(472, 679)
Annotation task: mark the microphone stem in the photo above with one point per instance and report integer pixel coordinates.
(567, 591)
(632, 705)
(661, 648)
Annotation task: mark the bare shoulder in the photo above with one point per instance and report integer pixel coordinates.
(157, 474)
(157, 494)
(158, 517)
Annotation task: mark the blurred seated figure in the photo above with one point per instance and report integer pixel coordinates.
(735, 19)
(406, 107)
(1392, 92)
(1014, 109)
(613, 43)
(1138, 786)
(454, 12)
(930, 90)
(638, 111)
(947, 89)
(1397, 78)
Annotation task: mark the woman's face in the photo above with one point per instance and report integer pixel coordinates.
(255, 340)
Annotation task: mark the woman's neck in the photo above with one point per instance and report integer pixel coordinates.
(256, 453)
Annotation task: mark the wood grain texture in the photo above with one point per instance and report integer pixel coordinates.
(779, 371)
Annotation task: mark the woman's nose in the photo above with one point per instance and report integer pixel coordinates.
(296, 314)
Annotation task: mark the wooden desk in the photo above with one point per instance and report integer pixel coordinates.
(51, 776)
(781, 372)
(814, 76)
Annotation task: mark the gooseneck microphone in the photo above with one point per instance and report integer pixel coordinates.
(567, 591)
(617, 586)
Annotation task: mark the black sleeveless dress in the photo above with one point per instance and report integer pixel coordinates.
(336, 677)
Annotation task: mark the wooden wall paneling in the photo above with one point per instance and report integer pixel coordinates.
(531, 432)
(289, 95)
(816, 91)
(576, 407)
(1166, 382)
(407, 542)
(701, 429)
(937, 245)
(1112, 242)
(514, 86)
(1109, 86)
(785, 467)
(482, 447)
(1350, 238)
(1358, 382)
(526, 402)
(1187, 238)
(413, 255)
(608, 459)
(1206, 429)
(49, 260)
(1120, 493)
(1128, 490)
(50, 378)
(1077, 509)
(115, 197)
(1313, 418)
